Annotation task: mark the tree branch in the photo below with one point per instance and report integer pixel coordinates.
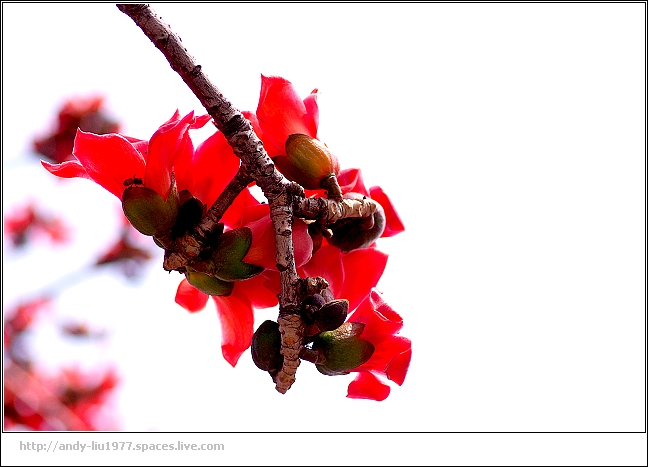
(284, 197)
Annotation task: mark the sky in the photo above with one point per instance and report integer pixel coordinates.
(510, 138)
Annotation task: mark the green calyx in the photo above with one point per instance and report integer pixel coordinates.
(343, 349)
(226, 261)
(266, 347)
(209, 284)
(147, 211)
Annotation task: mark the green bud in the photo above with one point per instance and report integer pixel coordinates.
(343, 349)
(209, 284)
(266, 347)
(354, 233)
(147, 211)
(332, 315)
(307, 161)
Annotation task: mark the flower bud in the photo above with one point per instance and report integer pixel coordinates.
(209, 284)
(354, 233)
(147, 211)
(310, 306)
(266, 347)
(332, 315)
(343, 349)
(307, 161)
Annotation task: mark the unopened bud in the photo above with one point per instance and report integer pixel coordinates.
(266, 347)
(310, 306)
(332, 315)
(307, 161)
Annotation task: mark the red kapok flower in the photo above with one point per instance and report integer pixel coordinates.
(392, 354)
(113, 160)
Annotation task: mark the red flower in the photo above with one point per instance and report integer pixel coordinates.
(29, 221)
(113, 161)
(78, 112)
(281, 113)
(392, 354)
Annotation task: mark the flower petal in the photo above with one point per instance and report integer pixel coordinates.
(268, 145)
(262, 252)
(166, 146)
(387, 347)
(327, 263)
(108, 159)
(397, 368)
(281, 112)
(362, 271)
(68, 169)
(190, 298)
(351, 181)
(257, 291)
(367, 386)
(377, 316)
(237, 324)
(312, 112)
(393, 223)
(207, 171)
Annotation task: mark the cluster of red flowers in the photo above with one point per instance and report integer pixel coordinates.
(118, 162)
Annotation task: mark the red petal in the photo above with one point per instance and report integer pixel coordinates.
(237, 324)
(263, 249)
(257, 291)
(367, 386)
(108, 159)
(281, 112)
(397, 369)
(312, 112)
(208, 170)
(68, 169)
(190, 298)
(234, 214)
(394, 225)
(377, 316)
(268, 145)
(165, 148)
(200, 122)
(351, 181)
(362, 271)
(387, 348)
(327, 263)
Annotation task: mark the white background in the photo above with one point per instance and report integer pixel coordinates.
(511, 139)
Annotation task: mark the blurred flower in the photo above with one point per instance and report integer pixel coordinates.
(70, 401)
(30, 223)
(78, 112)
(125, 252)
(18, 319)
